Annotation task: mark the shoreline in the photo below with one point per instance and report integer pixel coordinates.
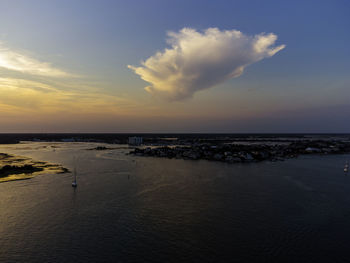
(243, 153)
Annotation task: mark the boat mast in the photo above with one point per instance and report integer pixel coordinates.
(75, 174)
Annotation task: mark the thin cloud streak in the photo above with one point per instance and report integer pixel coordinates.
(17, 61)
(197, 61)
(21, 96)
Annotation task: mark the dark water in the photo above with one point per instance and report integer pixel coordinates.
(129, 209)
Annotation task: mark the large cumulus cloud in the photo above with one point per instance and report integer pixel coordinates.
(201, 60)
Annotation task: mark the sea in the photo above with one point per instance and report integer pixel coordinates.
(145, 209)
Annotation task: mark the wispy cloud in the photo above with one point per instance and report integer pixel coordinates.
(31, 87)
(18, 61)
(201, 60)
(21, 96)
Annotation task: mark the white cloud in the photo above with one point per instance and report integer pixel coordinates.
(17, 61)
(197, 61)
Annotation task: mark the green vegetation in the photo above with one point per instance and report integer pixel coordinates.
(20, 168)
(14, 169)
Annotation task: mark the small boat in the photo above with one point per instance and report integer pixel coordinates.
(74, 183)
(346, 167)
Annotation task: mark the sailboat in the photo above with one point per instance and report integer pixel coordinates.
(74, 183)
(346, 167)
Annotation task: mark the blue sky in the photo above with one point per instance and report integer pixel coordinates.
(302, 88)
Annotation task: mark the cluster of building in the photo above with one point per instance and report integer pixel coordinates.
(233, 153)
(135, 140)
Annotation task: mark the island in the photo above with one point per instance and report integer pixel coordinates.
(14, 167)
(238, 152)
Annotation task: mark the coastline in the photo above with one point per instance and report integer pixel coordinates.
(241, 153)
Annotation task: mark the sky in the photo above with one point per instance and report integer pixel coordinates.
(175, 66)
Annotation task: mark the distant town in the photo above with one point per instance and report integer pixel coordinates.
(229, 148)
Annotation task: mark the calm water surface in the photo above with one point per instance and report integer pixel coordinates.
(137, 209)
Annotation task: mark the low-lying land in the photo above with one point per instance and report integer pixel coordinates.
(160, 139)
(20, 168)
(237, 153)
(104, 148)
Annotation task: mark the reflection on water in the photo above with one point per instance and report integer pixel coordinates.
(133, 209)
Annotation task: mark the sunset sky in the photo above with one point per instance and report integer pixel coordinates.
(175, 66)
